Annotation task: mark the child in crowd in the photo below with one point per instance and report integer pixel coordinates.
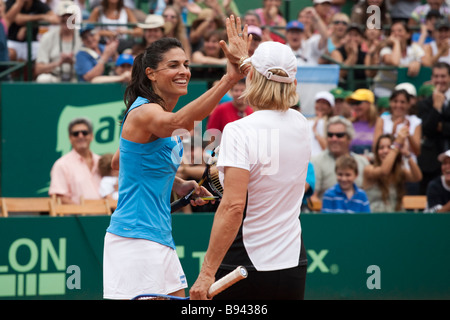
(109, 183)
(345, 196)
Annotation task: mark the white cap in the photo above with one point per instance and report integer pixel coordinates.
(271, 55)
(254, 30)
(328, 96)
(152, 21)
(408, 87)
(321, 1)
(444, 155)
(66, 7)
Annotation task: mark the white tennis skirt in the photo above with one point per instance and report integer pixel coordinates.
(137, 266)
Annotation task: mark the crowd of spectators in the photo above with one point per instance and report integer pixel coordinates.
(369, 115)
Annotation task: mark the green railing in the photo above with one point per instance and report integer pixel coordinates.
(349, 81)
(29, 62)
(12, 66)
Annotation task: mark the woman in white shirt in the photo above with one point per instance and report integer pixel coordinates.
(115, 12)
(263, 157)
(400, 52)
(324, 108)
(399, 117)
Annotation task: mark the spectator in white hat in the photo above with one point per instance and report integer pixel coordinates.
(154, 29)
(408, 87)
(323, 106)
(340, 133)
(56, 54)
(412, 91)
(257, 38)
(399, 116)
(438, 190)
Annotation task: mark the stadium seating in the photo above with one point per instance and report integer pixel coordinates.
(87, 207)
(25, 205)
(414, 203)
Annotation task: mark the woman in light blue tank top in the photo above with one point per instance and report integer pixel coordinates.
(148, 158)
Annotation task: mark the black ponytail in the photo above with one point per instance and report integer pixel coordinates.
(140, 85)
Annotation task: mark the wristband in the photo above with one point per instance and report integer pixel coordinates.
(397, 145)
(241, 61)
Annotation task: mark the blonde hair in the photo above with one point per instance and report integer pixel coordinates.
(264, 94)
(341, 15)
(372, 115)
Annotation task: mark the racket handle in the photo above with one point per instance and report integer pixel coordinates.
(234, 276)
(180, 203)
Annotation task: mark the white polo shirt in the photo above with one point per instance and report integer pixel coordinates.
(275, 148)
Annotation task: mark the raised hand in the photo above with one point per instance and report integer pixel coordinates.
(238, 41)
(438, 98)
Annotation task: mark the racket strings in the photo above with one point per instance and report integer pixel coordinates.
(215, 181)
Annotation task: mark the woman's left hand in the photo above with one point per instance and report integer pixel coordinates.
(238, 43)
(198, 195)
(199, 291)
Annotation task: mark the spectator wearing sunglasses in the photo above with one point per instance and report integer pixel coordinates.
(76, 174)
(174, 27)
(337, 30)
(340, 133)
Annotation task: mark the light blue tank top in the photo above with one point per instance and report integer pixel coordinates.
(146, 175)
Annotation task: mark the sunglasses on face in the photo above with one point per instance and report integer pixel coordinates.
(355, 103)
(340, 22)
(76, 133)
(337, 134)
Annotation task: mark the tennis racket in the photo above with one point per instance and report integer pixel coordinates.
(211, 177)
(223, 283)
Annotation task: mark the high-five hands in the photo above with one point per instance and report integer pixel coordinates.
(237, 49)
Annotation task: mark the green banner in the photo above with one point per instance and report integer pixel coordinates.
(366, 256)
(34, 121)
